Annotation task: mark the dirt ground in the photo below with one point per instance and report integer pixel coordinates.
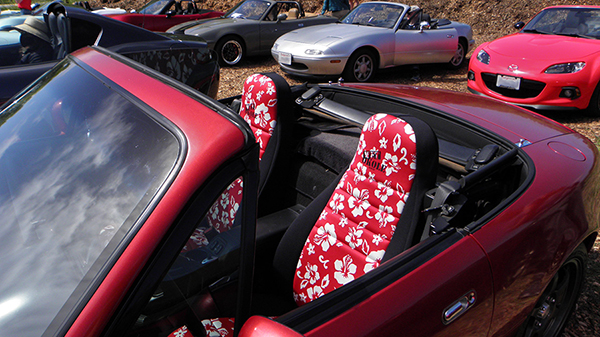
(490, 19)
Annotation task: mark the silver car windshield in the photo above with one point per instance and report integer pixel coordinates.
(78, 165)
(252, 10)
(577, 22)
(374, 14)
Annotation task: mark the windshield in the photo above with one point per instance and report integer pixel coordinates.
(252, 10)
(154, 7)
(578, 22)
(374, 14)
(76, 171)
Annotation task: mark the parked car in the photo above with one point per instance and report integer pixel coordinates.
(337, 209)
(375, 35)
(250, 28)
(552, 63)
(187, 60)
(160, 15)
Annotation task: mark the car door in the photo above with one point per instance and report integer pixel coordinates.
(442, 287)
(428, 46)
(15, 78)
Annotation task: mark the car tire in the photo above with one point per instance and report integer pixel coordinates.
(361, 66)
(231, 50)
(459, 57)
(552, 311)
(593, 108)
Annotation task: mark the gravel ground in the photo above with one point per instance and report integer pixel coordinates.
(490, 19)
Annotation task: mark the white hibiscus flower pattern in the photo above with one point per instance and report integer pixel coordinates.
(259, 110)
(259, 107)
(360, 218)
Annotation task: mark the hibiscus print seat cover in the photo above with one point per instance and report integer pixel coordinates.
(353, 231)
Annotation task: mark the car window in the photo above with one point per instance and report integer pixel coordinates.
(202, 277)
(566, 21)
(76, 172)
(252, 10)
(374, 14)
(154, 7)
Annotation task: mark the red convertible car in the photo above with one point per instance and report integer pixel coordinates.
(160, 15)
(134, 205)
(553, 62)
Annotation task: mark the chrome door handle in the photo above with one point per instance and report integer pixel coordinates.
(459, 307)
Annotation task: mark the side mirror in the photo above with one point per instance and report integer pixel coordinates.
(171, 13)
(519, 25)
(281, 17)
(258, 326)
(424, 25)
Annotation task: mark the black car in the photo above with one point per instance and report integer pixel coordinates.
(185, 59)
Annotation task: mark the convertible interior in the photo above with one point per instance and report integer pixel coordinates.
(460, 175)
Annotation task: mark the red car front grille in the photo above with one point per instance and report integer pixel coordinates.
(528, 88)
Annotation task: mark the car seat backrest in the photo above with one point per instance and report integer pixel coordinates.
(260, 109)
(63, 31)
(55, 38)
(354, 229)
(293, 13)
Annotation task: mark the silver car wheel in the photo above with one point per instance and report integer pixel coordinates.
(231, 52)
(458, 57)
(363, 68)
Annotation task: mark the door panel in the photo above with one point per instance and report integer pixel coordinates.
(429, 46)
(415, 304)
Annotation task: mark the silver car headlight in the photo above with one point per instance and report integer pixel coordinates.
(275, 46)
(483, 57)
(313, 52)
(565, 68)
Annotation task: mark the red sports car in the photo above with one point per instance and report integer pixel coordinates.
(553, 62)
(160, 15)
(133, 205)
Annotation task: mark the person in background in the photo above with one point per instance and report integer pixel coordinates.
(24, 6)
(35, 39)
(338, 8)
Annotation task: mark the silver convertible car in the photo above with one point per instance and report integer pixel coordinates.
(375, 35)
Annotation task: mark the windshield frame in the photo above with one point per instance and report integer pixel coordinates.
(352, 17)
(234, 14)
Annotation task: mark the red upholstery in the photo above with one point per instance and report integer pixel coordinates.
(351, 235)
(259, 110)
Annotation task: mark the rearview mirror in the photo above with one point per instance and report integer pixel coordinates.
(519, 25)
(281, 17)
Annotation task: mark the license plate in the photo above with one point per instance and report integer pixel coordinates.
(508, 82)
(285, 58)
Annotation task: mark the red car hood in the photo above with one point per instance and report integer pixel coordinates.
(539, 47)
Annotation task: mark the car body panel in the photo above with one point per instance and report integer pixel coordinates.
(184, 113)
(394, 45)
(257, 33)
(484, 262)
(527, 56)
(512, 124)
(463, 269)
(160, 15)
(137, 43)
